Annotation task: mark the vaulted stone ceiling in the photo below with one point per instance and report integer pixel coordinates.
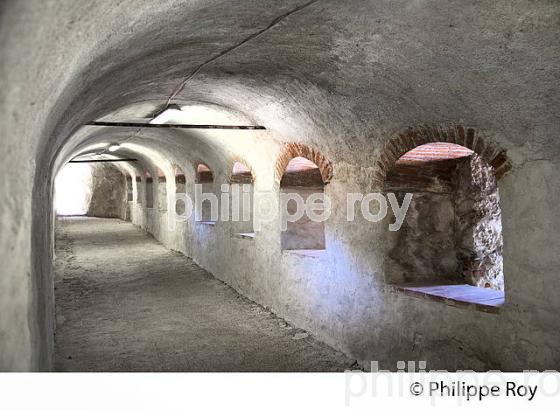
(342, 77)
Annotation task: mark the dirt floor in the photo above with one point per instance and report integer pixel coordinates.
(126, 303)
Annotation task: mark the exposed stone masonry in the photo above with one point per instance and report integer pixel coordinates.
(478, 225)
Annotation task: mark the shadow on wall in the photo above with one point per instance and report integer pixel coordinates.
(180, 188)
(149, 191)
(241, 194)
(205, 178)
(303, 178)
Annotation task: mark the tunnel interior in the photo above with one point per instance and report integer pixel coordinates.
(452, 103)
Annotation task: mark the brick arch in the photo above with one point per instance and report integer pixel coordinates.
(231, 177)
(198, 175)
(456, 134)
(196, 163)
(292, 150)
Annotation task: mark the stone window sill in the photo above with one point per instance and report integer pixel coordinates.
(247, 235)
(304, 253)
(210, 223)
(455, 294)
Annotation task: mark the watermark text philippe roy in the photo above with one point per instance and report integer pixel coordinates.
(238, 203)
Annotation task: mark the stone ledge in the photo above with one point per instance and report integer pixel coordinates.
(455, 294)
(248, 235)
(304, 253)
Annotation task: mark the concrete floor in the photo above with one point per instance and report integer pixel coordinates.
(126, 303)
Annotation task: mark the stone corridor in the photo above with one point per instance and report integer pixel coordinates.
(126, 303)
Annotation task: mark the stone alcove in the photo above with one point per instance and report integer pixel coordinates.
(450, 244)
